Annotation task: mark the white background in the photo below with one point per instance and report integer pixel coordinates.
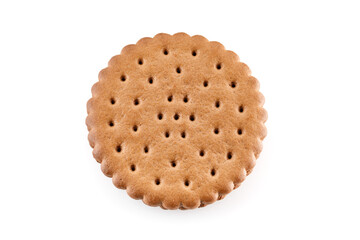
(306, 56)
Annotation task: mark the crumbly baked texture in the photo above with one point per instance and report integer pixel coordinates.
(176, 120)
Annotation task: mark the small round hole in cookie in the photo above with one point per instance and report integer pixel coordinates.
(239, 131)
(217, 104)
(178, 70)
(229, 155)
(213, 172)
(146, 149)
(165, 51)
(123, 78)
(176, 116)
(136, 102)
(160, 116)
(111, 123)
(170, 98)
(186, 183)
(233, 84)
(140, 61)
(167, 134)
(157, 181)
(206, 83)
(241, 108)
(202, 153)
(216, 130)
(133, 168)
(173, 164)
(183, 134)
(112, 101)
(218, 66)
(150, 80)
(186, 99)
(194, 53)
(135, 128)
(192, 117)
(118, 148)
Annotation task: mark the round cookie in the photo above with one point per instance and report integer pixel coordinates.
(176, 120)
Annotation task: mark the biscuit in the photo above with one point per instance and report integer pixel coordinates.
(176, 120)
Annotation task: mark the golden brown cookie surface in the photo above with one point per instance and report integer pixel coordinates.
(176, 121)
